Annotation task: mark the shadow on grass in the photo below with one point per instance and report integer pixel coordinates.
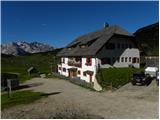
(27, 86)
(52, 93)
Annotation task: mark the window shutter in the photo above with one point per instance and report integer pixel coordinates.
(91, 61)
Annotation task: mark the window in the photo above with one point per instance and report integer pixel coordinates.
(113, 60)
(118, 46)
(88, 61)
(137, 60)
(69, 48)
(125, 59)
(130, 59)
(134, 60)
(64, 69)
(79, 72)
(89, 43)
(59, 68)
(83, 46)
(77, 59)
(73, 46)
(63, 60)
(122, 59)
(106, 61)
(84, 73)
(110, 46)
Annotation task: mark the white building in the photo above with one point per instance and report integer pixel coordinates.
(111, 46)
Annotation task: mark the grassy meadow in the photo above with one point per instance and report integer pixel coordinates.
(19, 64)
(19, 97)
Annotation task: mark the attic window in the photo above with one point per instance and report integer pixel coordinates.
(73, 46)
(69, 48)
(83, 46)
(89, 43)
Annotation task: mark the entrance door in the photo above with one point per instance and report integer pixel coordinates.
(72, 73)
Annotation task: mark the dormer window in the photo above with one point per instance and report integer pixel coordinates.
(83, 46)
(72, 46)
(87, 44)
(69, 48)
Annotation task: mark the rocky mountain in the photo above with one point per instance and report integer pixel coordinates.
(22, 48)
(148, 38)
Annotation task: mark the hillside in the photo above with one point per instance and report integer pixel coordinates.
(19, 64)
(148, 38)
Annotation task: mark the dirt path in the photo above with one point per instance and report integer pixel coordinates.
(127, 102)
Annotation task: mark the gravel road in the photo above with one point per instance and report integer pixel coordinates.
(66, 100)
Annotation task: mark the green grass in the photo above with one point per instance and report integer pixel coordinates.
(19, 97)
(19, 64)
(115, 77)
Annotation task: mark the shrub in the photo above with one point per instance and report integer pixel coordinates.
(115, 77)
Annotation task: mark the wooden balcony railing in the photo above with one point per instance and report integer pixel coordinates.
(71, 63)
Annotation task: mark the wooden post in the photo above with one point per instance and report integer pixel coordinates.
(111, 86)
(51, 67)
(9, 87)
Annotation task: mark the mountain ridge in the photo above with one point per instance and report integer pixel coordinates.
(22, 48)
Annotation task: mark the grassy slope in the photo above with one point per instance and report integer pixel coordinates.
(19, 97)
(20, 64)
(117, 76)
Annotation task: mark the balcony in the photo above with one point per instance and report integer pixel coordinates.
(88, 64)
(73, 63)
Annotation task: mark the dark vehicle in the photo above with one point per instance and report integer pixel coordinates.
(141, 79)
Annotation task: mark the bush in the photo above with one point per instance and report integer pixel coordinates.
(115, 77)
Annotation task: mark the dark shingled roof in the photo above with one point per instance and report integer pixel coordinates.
(99, 37)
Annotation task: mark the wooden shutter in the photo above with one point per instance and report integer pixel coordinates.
(90, 61)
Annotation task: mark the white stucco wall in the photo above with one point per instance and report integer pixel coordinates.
(90, 68)
(82, 69)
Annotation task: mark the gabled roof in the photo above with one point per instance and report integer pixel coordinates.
(99, 38)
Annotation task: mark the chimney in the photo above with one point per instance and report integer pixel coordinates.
(106, 25)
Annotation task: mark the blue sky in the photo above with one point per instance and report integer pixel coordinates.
(58, 23)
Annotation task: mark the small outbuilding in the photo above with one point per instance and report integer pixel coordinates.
(13, 78)
(32, 70)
